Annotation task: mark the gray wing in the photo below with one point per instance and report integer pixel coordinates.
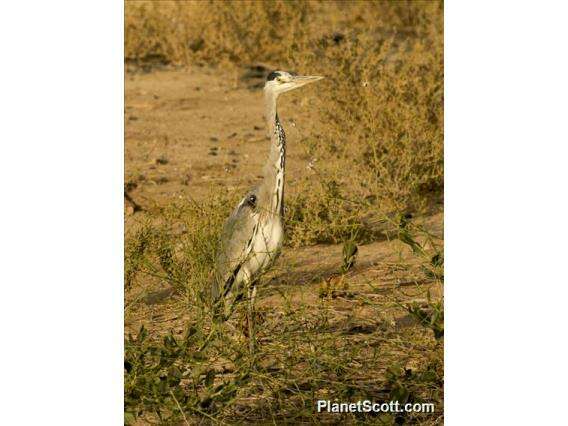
(234, 247)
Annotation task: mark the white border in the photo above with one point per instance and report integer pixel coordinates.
(506, 201)
(61, 150)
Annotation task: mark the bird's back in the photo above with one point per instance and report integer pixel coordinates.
(232, 250)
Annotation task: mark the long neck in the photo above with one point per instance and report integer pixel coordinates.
(275, 167)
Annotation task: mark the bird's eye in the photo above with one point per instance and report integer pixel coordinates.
(279, 79)
(251, 200)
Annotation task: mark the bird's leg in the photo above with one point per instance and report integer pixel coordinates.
(251, 297)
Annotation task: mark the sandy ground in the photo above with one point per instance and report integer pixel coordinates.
(192, 130)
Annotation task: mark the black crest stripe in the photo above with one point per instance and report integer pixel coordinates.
(272, 75)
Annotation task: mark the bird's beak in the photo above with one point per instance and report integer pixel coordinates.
(302, 80)
(299, 81)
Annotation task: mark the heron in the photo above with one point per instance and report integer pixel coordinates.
(252, 236)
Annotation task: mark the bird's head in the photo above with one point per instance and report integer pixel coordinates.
(279, 82)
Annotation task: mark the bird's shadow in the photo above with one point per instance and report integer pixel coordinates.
(302, 275)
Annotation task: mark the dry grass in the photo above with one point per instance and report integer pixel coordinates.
(377, 153)
(374, 334)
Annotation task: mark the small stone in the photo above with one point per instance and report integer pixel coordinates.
(158, 296)
(179, 228)
(162, 160)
